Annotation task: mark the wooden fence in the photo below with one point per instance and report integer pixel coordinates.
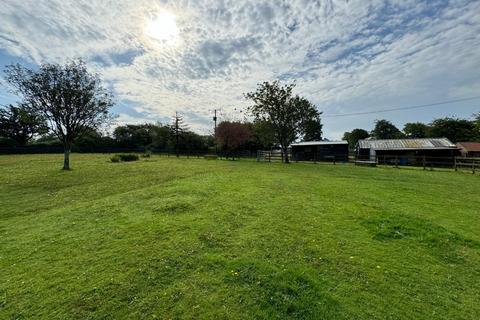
(427, 162)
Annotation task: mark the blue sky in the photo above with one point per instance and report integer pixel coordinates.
(193, 56)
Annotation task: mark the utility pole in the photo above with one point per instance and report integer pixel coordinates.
(176, 133)
(215, 129)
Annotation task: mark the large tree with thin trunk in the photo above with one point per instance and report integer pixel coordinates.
(288, 114)
(70, 97)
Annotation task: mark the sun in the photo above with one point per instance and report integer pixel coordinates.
(162, 27)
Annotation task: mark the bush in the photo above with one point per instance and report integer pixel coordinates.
(128, 157)
(124, 157)
(145, 155)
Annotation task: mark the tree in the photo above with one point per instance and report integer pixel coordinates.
(476, 122)
(134, 135)
(232, 135)
(453, 129)
(178, 129)
(21, 124)
(416, 130)
(287, 114)
(91, 140)
(68, 96)
(355, 135)
(263, 135)
(313, 129)
(161, 136)
(384, 129)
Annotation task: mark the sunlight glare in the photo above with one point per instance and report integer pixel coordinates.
(163, 28)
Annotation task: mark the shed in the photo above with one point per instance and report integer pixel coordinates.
(469, 149)
(406, 148)
(320, 151)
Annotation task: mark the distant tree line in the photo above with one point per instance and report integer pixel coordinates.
(67, 106)
(454, 129)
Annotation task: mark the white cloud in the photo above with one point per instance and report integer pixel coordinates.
(345, 55)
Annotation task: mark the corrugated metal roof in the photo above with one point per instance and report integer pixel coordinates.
(470, 146)
(317, 143)
(401, 144)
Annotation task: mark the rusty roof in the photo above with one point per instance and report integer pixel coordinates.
(407, 144)
(469, 146)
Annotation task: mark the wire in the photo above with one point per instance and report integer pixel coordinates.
(400, 108)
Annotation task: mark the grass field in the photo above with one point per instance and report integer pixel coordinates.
(196, 239)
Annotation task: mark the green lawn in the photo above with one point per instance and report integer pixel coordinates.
(190, 238)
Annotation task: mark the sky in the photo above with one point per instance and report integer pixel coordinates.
(194, 56)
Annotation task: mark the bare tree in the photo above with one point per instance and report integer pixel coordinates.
(68, 96)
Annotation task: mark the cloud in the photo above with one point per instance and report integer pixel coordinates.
(345, 56)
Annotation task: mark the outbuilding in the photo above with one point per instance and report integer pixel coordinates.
(406, 151)
(320, 151)
(469, 149)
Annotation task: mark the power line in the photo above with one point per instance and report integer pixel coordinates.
(401, 108)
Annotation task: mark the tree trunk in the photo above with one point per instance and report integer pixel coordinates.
(285, 150)
(66, 158)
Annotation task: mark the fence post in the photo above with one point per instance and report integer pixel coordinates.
(334, 160)
(424, 163)
(270, 156)
(455, 163)
(473, 166)
(396, 161)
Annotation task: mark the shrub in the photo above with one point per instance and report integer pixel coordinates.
(124, 157)
(128, 157)
(146, 155)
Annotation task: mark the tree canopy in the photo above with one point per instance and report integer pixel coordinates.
(416, 130)
(384, 129)
(21, 123)
(454, 129)
(232, 135)
(355, 135)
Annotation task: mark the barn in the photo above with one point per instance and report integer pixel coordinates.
(320, 151)
(469, 149)
(406, 150)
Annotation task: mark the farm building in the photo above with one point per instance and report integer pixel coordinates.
(469, 149)
(320, 151)
(406, 149)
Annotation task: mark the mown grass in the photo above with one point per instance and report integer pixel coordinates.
(195, 239)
